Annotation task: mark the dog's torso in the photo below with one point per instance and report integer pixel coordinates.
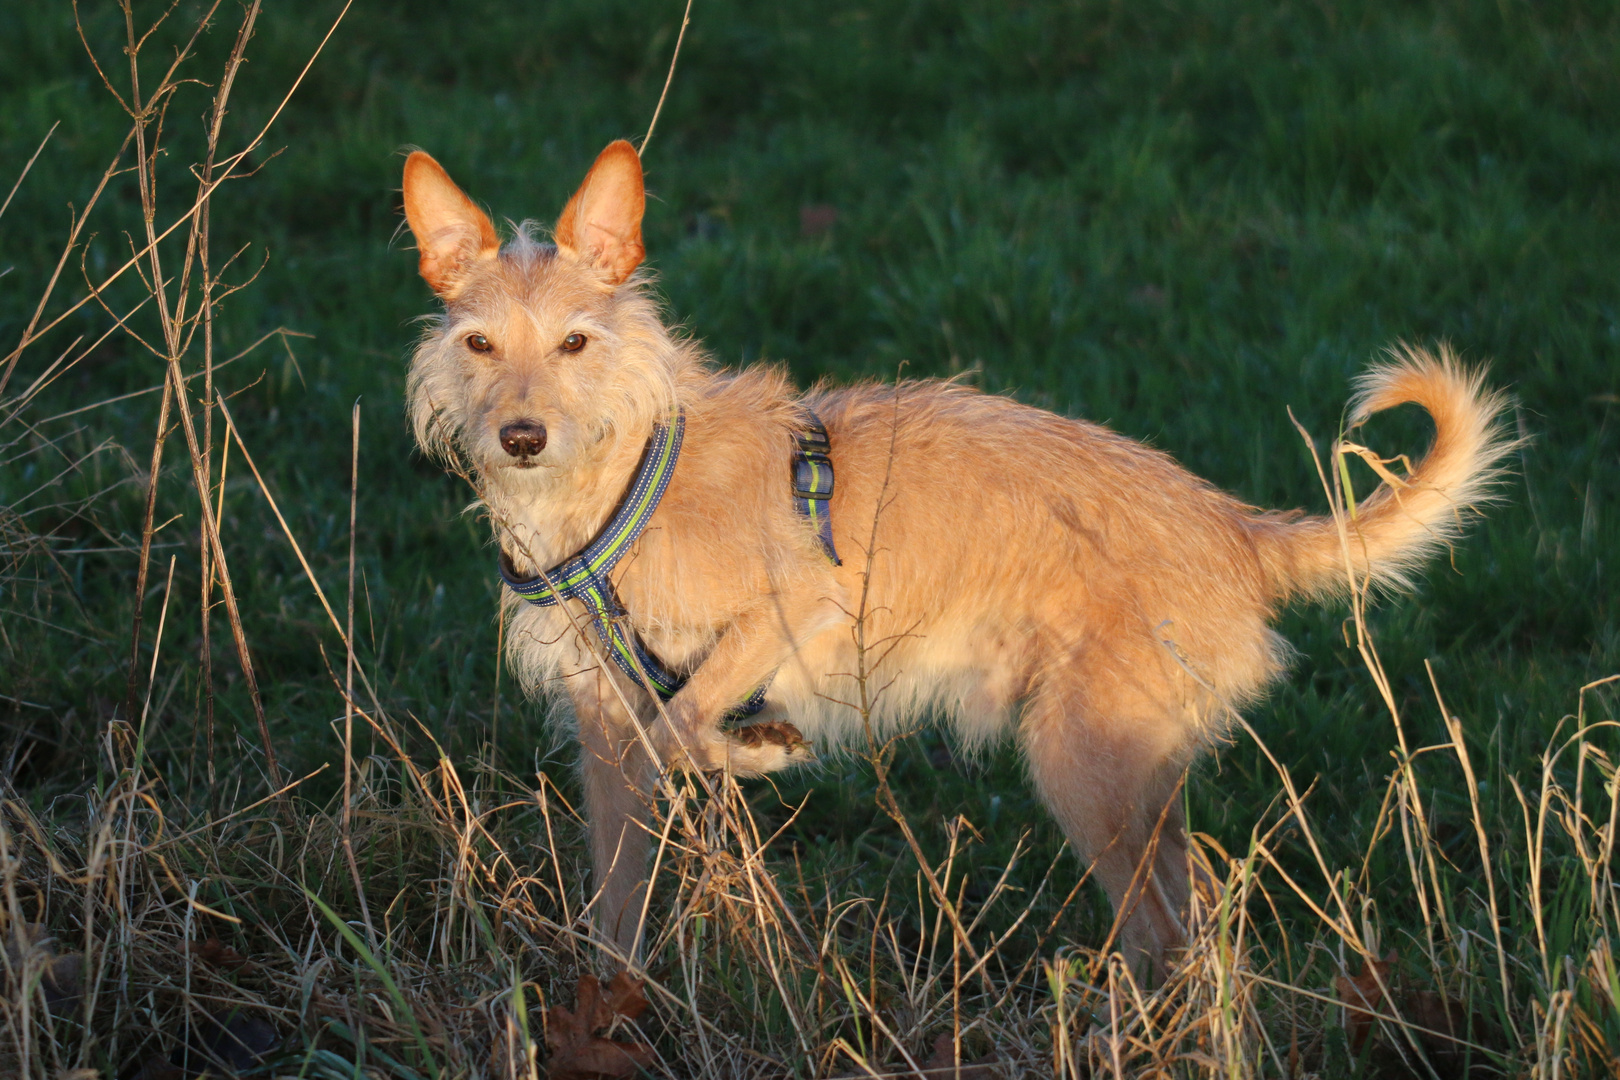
(989, 539)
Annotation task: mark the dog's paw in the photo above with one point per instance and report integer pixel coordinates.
(766, 747)
(769, 733)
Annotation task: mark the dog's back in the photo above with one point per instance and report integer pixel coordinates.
(1004, 537)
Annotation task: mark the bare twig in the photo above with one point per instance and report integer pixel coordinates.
(25, 169)
(154, 471)
(686, 19)
(347, 825)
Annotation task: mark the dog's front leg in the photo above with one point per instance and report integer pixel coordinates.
(618, 777)
(753, 647)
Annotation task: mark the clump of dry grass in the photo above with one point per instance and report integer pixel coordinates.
(432, 919)
(132, 938)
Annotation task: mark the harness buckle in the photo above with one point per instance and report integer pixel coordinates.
(812, 476)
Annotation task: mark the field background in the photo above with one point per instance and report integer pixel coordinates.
(1181, 219)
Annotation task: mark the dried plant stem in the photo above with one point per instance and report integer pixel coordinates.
(226, 171)
(881, 754)
(33, 331)
(147, 112)
(347, 823)
(144, 564)
(30, 165)
(1454, 729)
(173, 337)
(227, 592)
(151, 678)
(200, 246)
(298, 551)
(686, 20)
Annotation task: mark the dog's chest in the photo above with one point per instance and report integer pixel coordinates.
(673, 614)
(676, 610)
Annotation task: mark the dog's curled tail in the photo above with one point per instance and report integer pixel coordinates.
(1395, 531)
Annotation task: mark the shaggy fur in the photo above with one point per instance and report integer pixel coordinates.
(1027, 573)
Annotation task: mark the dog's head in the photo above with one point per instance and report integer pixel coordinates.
(544, 351)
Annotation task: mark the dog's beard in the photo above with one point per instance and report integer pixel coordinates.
(510, 477)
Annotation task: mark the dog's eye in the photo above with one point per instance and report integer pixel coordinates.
(478, 343)
(573, 343)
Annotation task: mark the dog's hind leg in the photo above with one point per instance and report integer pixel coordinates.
(618, 776)
(1109, 768)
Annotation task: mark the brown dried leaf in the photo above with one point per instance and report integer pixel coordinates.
(941, 1064)
(816, 218)
(31, 944)
(576, 1052)
(600, 1059)
(218, 955)
(1364, 990)
(62, 982)
(944, 1053)
(626, 996)
(158, 1067)
(1448, 1016)
(1436, 1012)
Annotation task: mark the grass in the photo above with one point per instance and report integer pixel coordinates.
(1180, 218)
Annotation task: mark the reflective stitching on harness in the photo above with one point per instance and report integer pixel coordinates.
(585, 576)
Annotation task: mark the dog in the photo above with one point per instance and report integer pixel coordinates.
(1007, 569)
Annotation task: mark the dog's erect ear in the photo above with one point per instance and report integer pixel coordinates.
(602, 222)
(451, 232)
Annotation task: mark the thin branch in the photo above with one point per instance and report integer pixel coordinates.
(686, 20)
(20, 176)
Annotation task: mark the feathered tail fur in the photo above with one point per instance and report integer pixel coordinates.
(1396, 530)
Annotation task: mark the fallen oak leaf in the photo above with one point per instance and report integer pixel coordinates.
(1436, 1016)
(575, 1051)
(158, 1067)
(32, 948)
(216, 954)
(600, 1059)
(1436, 1012)
(941, 1064)
(1362, 996)
(816, 218)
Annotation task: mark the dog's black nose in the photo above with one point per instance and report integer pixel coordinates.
(524, 438)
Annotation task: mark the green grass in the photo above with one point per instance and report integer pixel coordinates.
(1181, 219)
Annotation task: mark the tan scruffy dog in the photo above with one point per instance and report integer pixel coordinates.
(1026, 573)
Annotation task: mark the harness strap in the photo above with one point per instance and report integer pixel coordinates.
(585, 576)
(813, 481)
(588, 571)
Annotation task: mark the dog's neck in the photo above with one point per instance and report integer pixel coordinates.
(541, 521)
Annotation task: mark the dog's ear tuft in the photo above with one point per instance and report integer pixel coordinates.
(451, 232)
(602, 222)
